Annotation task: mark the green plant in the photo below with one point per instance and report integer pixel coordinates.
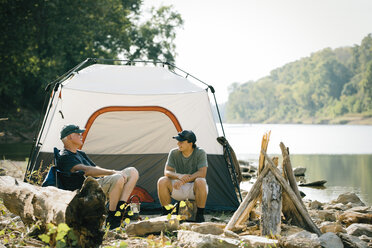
(59, 236)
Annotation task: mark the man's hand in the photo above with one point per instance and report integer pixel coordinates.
(124, 175)
(178, 184)
(185, 178)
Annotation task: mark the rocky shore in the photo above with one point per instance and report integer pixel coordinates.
(344, 222)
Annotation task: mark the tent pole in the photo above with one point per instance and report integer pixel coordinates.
(35, 152)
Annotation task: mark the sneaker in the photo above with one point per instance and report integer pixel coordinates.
(199, 218)
(113, 221)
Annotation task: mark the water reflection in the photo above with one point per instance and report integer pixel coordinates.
(343, 173)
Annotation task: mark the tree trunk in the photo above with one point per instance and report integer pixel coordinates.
(81, 210)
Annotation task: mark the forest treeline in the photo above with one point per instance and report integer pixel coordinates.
(42, 39)
(329, 85)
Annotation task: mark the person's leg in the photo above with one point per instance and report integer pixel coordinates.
(114, 194)
(132, 175)
(200, 190)
(164, 190)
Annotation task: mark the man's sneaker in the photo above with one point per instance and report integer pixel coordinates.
(113, 221)
(199, 218)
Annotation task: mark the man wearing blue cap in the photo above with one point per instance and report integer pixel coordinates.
(117, 185)
(184, 174)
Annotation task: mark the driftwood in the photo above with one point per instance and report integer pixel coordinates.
(313, 184)
(271, 205)
(242, 213)
(310, 226)
(287, 169)
(81, 210)
(264, 144)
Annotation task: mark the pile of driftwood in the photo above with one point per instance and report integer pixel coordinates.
(81, 210)
(277, 193)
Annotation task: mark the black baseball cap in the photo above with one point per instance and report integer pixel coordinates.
(69, 129)
(186, 135)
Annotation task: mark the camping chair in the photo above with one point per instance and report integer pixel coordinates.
(63, 180)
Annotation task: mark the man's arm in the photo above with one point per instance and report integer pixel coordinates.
(93, 171)
(171, 173)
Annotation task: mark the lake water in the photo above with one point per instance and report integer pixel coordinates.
(340, 154)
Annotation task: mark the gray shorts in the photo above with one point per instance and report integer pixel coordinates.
(185, 192)
(107, 183)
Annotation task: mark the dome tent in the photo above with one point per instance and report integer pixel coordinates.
(131, 114)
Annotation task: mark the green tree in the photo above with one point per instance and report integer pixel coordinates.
(42, 39)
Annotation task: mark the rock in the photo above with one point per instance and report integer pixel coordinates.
(197, 240)
(230, 234)
(207, 228)
(330, 240)
(327, 215)
(331, 227)
(352, 241)
(288, 230)
(153, 225)
(337, 206)
(350, 217)
(345, 198)
(299, 171)
(316, 205)
(361, 209)
(258, 241)
(358, 229)
(365, 238)
(302, 239)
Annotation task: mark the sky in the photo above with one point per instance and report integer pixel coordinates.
(224, 42)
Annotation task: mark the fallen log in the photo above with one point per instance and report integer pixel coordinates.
(313, 184)
(81, 210)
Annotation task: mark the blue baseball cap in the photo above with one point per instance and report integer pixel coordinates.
(69, 129)
(186, 135)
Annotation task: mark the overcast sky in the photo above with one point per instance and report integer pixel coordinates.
(223, 42)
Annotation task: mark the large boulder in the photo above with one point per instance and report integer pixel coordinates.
(351, 197)
(197, 240)
(153, 225)
(358, 229)
(302, 239)
(330, 240)
(352, 241)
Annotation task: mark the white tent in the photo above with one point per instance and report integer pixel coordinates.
(131, 114)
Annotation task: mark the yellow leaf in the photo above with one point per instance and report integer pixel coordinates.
(169, 216)
(117, 213)
(63, 227)
(130, 213)
(45, 238)
(122, 206)
(127, 220)
(169, 207)
(147, 218)
(179, 217)
(182, 204)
